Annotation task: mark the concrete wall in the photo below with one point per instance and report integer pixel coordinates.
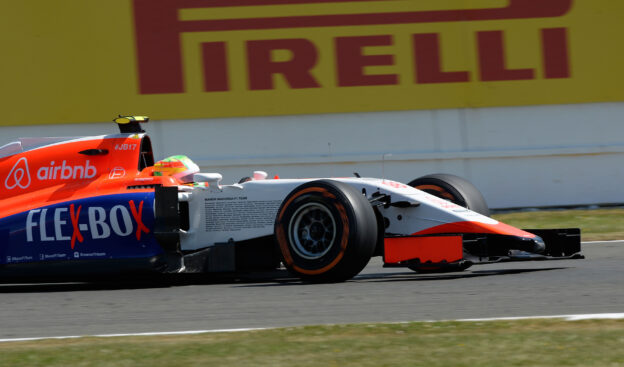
(517, 156)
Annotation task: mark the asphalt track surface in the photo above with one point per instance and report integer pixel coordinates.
(592, 285)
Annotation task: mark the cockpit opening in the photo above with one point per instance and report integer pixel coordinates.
(146, 158)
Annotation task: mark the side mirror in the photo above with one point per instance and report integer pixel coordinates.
(213, 179)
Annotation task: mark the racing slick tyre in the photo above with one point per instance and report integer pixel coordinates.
(326, 231)
(454, 189)
(458, 191)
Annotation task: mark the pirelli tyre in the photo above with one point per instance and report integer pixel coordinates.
(453, 188)
(326, 231)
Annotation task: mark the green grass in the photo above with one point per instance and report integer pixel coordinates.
(534, 343)
(454, 344)
(596, 224)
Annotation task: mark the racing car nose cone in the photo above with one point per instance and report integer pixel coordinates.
(539, 245)
(535, 245)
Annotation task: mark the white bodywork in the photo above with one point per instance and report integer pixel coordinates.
(245, 211)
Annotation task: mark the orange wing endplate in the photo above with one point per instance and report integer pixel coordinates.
(435, 249)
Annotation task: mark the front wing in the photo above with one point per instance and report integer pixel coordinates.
(459, 251)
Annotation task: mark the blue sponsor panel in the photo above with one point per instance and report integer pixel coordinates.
(4, 240)
(103, 227)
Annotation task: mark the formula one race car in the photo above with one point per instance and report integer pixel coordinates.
(101, 205)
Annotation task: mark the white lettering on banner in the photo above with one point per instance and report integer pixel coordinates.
(30, 224)
(235, 214)
(66, 172)
(100, 223)
(117, 172)
(12, 259)
(19, 176)
(99, 229)
(42, 227)
(52, 256)
(58, 223)
(125, 217)
(93, 254)
(126, 146)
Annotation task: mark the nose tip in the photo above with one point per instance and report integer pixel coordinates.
(539, 245)
(534, 245)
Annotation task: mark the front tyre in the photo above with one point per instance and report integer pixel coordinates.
(454, 189)
(326, 231)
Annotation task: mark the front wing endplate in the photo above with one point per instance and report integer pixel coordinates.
(423, 249)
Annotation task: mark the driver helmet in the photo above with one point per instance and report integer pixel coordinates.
(178, 166)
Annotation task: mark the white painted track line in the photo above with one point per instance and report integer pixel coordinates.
(596, 316)
(599, 316)
(190, 332)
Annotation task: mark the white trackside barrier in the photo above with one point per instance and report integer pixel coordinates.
(517, 156)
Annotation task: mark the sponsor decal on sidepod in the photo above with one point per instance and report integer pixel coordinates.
(99, 223)
(19, 176)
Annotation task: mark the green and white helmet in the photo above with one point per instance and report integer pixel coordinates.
(178, 166)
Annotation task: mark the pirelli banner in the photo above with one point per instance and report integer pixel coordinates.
(83, 60)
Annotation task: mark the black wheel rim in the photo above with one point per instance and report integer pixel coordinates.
(312, 231)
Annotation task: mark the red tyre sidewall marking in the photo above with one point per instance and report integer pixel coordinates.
(445, 194)
(283, 243)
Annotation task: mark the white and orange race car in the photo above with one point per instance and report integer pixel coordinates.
(101, 205)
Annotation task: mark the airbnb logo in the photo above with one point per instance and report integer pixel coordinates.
(66, 172)
(19, 175)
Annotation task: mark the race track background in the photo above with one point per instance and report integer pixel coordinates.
(593, 285)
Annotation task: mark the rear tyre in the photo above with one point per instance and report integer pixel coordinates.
(454, 189)
(326, 231)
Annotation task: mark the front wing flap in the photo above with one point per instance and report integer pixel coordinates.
(459, 251)
(432, 250)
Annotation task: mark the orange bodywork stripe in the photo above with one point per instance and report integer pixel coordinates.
(59, 173)
(476, 227)
(434, 249)
(59, 194)
(38, 178)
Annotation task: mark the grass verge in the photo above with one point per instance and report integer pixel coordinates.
(595, 224)
(533, 343)
(439, 344)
